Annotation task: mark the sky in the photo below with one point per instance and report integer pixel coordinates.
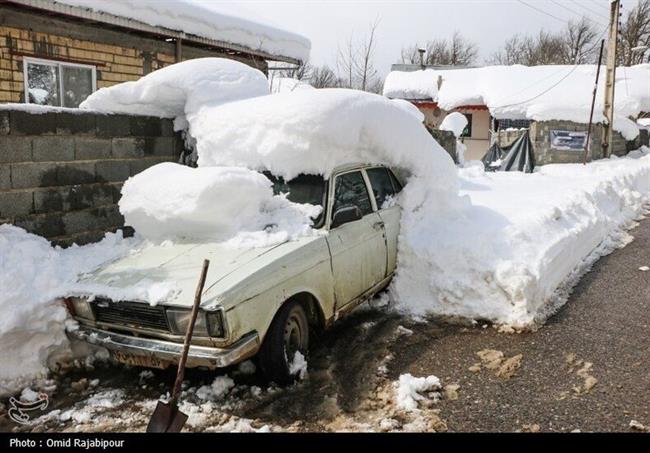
(329, 23)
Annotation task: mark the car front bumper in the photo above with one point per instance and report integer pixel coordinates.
(168, 351)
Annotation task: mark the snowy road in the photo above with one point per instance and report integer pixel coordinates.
(586, 369)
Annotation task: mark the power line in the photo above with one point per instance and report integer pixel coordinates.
(575, 12)
(595, 2)
(589, 9)
(541, 11)
(571, 70)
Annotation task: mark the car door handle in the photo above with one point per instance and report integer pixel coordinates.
(378, 225)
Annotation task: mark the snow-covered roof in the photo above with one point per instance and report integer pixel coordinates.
(560, 92)
(216, 24)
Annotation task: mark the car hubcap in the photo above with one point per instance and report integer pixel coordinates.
(292, 336)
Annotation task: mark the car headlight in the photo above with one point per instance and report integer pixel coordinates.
(81, 307)
(208, 324)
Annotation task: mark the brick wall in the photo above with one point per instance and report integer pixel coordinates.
(118, 56)
(61, 173)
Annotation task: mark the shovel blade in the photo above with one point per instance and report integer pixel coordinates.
(166, 419)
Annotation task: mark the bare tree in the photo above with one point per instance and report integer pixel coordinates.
(301, 72)
(364, 68)
(355, 62)
(575, 44)
(579, 39)
(345, 63)
(324, 77)
(635, 32)
(457, 51)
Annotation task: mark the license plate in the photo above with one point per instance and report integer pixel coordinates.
(148, 361)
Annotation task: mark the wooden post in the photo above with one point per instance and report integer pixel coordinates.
(179, 49)
(593, 102)
(611, 77)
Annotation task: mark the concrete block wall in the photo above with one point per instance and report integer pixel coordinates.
(544, 154)
(61, 173)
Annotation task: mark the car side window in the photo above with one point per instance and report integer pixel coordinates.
(350, 190)
(396, 184)
(382, 186)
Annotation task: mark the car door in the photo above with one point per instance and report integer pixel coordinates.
(385, 186)
(357, 248)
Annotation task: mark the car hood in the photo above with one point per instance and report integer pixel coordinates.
(173, 271)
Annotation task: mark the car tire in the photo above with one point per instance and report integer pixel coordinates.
(289, 332)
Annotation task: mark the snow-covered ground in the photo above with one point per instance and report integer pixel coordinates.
(498, 246)
(33, 275)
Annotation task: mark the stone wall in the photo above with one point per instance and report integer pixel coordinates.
(447, 140)
(61, 172)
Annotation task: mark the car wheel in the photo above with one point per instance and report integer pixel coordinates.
(288, 334)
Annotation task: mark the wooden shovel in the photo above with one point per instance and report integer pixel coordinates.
(167, 418)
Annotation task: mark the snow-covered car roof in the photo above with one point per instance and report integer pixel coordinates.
(218, 25)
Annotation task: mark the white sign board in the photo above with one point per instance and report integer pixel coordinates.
(568, 140)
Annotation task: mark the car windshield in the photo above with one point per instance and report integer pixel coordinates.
(302, 189)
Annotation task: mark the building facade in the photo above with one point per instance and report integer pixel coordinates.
(57, 54)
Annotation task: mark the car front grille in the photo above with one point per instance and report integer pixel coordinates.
(134, 314)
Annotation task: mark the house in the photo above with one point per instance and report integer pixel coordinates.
(500, 100)
(58, 52)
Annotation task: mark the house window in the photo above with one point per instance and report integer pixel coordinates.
(59, 84)
(467, 132)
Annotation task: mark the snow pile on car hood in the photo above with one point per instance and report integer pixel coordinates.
(181, 89)
(169, 201)
(32, 275)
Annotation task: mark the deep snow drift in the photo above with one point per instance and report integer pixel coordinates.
(171, 201)
(513, 253)
(32, 275)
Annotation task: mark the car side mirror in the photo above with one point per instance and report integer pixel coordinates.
(346, 215)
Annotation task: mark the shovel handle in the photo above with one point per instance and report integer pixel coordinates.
(180, 374)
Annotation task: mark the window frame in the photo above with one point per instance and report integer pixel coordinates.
(391, 176)
(58, 65)
(332, 194)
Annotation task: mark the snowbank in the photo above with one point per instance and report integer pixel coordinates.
(32, 275)
(454, 122)
(218, 22)
(179, 90)
(170, 201)
(513, 253)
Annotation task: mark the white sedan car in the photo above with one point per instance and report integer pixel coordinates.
(257, 301)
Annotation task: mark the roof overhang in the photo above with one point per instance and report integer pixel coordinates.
(87, 15)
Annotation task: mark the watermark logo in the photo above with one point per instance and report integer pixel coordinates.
(18, 410)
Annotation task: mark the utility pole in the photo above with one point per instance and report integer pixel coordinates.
(610, 80)
(593, 103)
